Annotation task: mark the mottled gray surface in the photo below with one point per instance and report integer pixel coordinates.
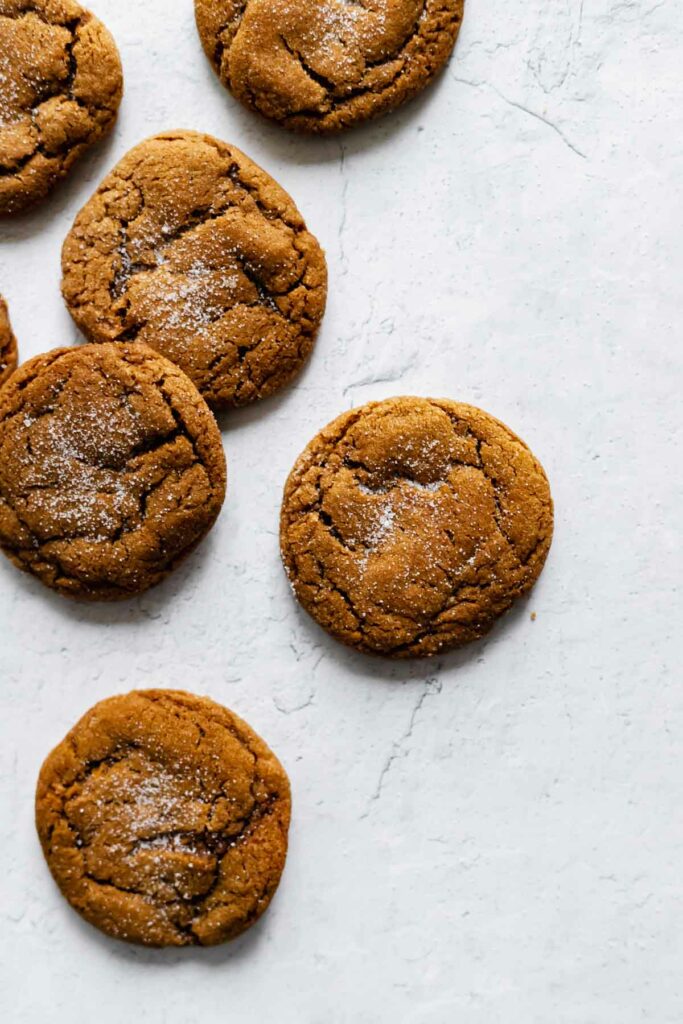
(496, 837)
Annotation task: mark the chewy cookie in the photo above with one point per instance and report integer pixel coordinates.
(323, 66)
(410, 525)
(60, 89)
(111, 469)
(8, 345)
(163, 818)
(190, 247)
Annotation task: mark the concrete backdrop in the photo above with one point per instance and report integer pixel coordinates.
(495, 836)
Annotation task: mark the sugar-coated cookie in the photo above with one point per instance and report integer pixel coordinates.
(409, 526)
(163, 818)
(190, 247)
(323, 65)
(111, 469)
(8, 344)
(60, 89)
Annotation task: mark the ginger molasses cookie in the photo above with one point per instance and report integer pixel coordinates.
(8, 344)
(163, 818)
(190, 247)
(410, 525)
(60, 89)
(323, 65)
(111, 469)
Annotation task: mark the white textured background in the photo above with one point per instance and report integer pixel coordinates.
(497, 836)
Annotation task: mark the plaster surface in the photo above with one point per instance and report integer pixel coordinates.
(494, 836)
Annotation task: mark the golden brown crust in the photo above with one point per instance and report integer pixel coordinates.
(163, 818)
(323, 66)
(111, 469)
(60, 90)
(190, 247)
(409, 526)
(8, 345)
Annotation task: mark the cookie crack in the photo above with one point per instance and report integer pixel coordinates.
(221, 46)
(337, 589)
(128, 269)
(325, 83)
(65, 88)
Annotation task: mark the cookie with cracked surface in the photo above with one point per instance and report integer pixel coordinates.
(8, 345)
(163, 818)
(111, 469)
(324, 66)
(190, 247)
(60, 90)
(409, 526)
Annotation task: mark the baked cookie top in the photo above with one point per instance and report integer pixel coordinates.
(163, 818)
(410, 525)
(190, 247)
(8, 344)
(111, 469)
(323, 65)
(60, 89)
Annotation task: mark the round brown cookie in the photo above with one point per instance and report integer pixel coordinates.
(190, 247)
(323, 66)
(410, 525)
(163, 818)
(60, 89)
(8, 344)
(111, 469)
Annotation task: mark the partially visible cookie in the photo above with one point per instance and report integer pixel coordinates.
(8, 344)
(60, 89)
(111, 469)
(190, 247)
(321, 67)
(163, 818)
(409, 526)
